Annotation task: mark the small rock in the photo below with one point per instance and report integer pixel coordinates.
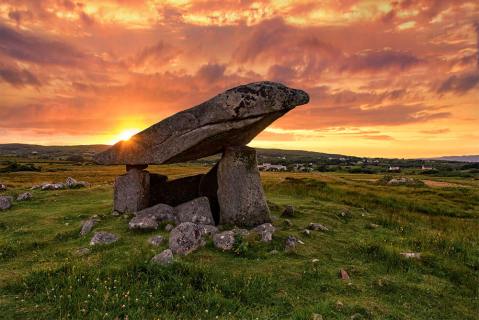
(116, 213)
(52, 186)
(82, 251)
(339, 305)
(72, 183)
(143, 222)
(266, 231)
(288, 222)
(208, 230)
(156, 240)
(315, 260)
(163, 258)
(344, 214)
(186, 238)
(3, 187)
(290, 244)
(343, 274)
(316, 316)
(356, 316)
(197, 211)
(306, 232)
(317, 226)
(5, 202)
(288, 211)
(373, 226)
(224, 240)
(87, 226)
(160, 212)
(103, 237)
(411, 255)
(273, 252)
(169, 227)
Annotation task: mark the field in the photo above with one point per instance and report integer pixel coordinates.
(41, 277)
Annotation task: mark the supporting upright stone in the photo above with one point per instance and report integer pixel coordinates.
(132, 191)
(240, 193)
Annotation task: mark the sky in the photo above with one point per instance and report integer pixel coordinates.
(386, 78)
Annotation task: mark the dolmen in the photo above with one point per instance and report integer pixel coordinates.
(223, 124)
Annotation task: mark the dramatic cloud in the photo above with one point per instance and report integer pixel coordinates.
(381, 73)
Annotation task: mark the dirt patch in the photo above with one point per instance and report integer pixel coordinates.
(441, 184)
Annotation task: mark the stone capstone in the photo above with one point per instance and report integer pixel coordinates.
(240, 194)
(197, 211)
(233, 117)
(186, 238)
(131, 191)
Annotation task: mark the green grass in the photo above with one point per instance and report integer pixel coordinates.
(41, 277)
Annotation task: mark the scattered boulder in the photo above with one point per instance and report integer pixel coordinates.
(240, 193)
(197, 211)
(5, 202)
(266, 231)
(73, 184)
(163, 258)
(224, 240)
(52, 186)
(233, 117)
(132, 191)
(143, 222)
(87, 226)
(3, 187)
(186, 238)
(411, 255)
(290, 244)
(288, 211)
(24, 196)
(317, 227)
(82, 251)
(306, 232)
(149, 218)
(103, 237)
(169, 227)
(343, 274)
(156, 240)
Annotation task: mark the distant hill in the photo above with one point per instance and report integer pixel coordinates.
(471, 158)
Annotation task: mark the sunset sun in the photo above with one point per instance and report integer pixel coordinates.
(125, 135)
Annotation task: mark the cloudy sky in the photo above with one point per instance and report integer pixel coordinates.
(386, 78)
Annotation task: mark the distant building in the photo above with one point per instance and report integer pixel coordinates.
(394, 169)
(272, 167)
(427, 168)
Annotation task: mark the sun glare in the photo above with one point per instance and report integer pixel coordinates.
(125, 135)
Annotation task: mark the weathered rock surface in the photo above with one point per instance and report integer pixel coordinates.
(186, 238)
(25, 196)
(317, 227)
(209, 188)
(169, 227)
(149, 218)
(73, 184)
(87, 226)
(156, 240)
(53, 186)
(224, 240)
(233, 117)
(266, 231)
(103, 237)
(5, 202)
(197, 211)
(132, 191)
(208, 230)
(240, 193)
(163, 258)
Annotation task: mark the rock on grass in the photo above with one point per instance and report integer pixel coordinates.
(163, 258)
(186, 238)
(103, 237)
(5, 202)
